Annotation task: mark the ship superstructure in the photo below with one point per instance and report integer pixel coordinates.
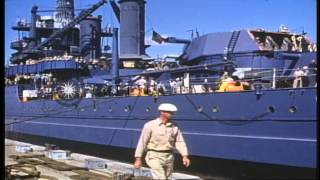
(246, 95)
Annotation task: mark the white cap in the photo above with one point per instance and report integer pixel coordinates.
(167, 107)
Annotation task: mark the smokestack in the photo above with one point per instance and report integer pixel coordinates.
(132, 28)
(90, 36)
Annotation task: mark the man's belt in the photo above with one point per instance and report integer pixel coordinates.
(161, 151)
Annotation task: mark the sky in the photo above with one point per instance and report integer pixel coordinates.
(178, 17)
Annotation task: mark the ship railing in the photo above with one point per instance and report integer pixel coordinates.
(22, 23)
(195, 85)
(273, 79)
(267, 78)
(283, 78)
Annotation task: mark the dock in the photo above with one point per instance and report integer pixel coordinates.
(29, 161)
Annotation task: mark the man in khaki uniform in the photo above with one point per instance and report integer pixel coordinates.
(159, 137)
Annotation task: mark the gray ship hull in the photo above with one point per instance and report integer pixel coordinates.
(277, 127)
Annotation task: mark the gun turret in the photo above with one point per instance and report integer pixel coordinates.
(159, 39)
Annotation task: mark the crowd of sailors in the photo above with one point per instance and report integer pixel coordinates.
(154, 65)
(64, 57)
(294, 43)
(141, 86)
(22, 22)
(305, 75)
(45, 85)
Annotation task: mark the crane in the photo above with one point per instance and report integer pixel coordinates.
(53, 37)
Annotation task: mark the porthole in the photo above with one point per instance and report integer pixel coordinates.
(127, 108)
(215, 109)
(148, 109)
(293, 109)
(200, 109)
(271, 109)
(110, 109)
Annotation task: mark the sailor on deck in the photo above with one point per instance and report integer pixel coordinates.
(298, 74)
(141, 83)
(159, 137)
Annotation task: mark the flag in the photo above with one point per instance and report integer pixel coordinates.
(157, 37)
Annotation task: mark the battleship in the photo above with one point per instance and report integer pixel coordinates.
(246, 96)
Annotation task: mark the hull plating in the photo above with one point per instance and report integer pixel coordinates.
(278, 127)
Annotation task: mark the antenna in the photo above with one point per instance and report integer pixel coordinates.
(197, 32)
(303, 32)
(191, 30)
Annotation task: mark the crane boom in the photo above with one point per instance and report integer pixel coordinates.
(115, 9)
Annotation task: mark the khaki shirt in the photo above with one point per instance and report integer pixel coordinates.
(158, 136)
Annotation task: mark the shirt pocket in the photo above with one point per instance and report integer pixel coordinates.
(159, 136)
(171, 136)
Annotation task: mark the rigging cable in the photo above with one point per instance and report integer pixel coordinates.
(126, 122)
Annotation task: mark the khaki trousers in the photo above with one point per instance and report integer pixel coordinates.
(161, 164)
(297, 82)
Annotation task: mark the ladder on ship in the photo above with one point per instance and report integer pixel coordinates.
(232, 43)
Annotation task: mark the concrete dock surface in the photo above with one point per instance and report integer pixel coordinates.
(21, 163)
